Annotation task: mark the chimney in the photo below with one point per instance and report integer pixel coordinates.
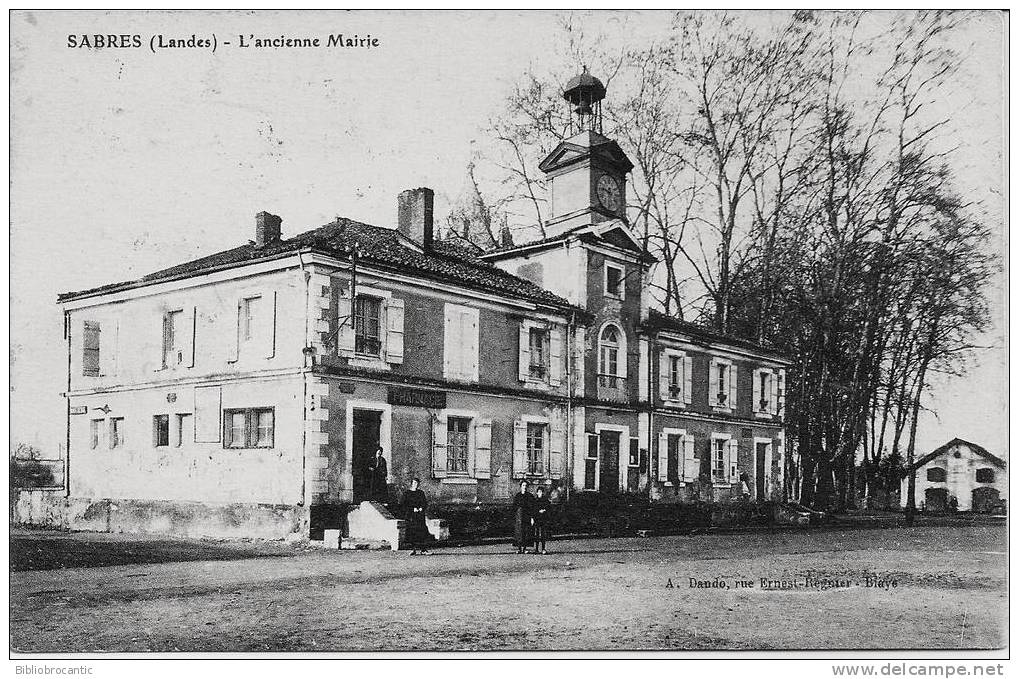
(414, 215)
(267, 229)
(505, 237)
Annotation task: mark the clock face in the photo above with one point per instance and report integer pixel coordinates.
(609, 194)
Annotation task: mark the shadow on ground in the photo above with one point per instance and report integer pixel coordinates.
(49, 552)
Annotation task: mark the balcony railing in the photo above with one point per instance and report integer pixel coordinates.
(611, 388)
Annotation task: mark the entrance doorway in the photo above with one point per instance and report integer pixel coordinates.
(760, 471)
(935, 500)
(365, 441)
(608, 445)
(986, 499)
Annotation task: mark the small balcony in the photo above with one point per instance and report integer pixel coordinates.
(612, 388)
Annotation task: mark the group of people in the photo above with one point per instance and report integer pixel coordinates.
(532, 519)
(532, 513)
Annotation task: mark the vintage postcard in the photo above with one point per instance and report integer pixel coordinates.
(499, 331)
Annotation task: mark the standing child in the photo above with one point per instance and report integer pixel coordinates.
(542, 520)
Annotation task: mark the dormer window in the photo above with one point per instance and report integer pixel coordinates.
(614, 280)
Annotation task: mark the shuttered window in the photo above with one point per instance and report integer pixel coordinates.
(368, 326)
(460, 351)
(90, 349)
(675, 377)
(719, 468)
(536, 448)
(249, 428)
(116, 432)
(675, 455)
(538, 351)
(173, 338)
(458, 444)
(591, 463)
(95, 426)
(185, 429)
(160, 430)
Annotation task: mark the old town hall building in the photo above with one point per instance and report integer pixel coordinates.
(240, 393)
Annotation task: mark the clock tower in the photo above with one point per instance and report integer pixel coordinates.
(587, 172)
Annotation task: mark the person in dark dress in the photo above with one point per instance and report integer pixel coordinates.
(542, 520)
(415, 503)
(523, 524)
(378, 477)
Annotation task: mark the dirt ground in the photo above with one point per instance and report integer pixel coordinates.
(841, 588)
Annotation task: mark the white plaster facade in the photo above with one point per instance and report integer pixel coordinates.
(959, 463)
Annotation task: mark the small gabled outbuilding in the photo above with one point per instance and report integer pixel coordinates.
(959, 475)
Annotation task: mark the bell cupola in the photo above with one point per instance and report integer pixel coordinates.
(587, 172)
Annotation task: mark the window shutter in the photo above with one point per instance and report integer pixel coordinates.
(733, 384)
(756, 403)
(663, 457)
(108, 348)
(555, 357)
(394, 330)
(775, 390)
(519, 449)
(208, 409)
(235, 349)
(556, 444)
(189, 316)
(779, 449)
(164, 342)
(483, 449)
(713, 383)
(688, 379)
(471, 323)
(439, 447)
(524, 365)
(344, 323)
(781, 401)
(664, 361)
(449, 344)
(733, 461)
(691, 469)
(91, 349)
(268, 329)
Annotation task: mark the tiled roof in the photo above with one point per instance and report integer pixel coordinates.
(381, 247)
(658, 321)
(979, 450)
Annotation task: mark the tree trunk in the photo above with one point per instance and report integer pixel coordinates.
(911, 450)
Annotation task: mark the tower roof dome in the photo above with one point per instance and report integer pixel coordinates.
(584, 88)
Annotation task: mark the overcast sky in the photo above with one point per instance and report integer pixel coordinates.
(125, 161)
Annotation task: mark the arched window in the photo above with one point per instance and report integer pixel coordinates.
(936, 475)
(611, 364)
(985, 475)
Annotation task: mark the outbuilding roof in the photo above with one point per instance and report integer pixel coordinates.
(380, 247)
(979, 450)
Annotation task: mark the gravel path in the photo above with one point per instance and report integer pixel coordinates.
(833, 589)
